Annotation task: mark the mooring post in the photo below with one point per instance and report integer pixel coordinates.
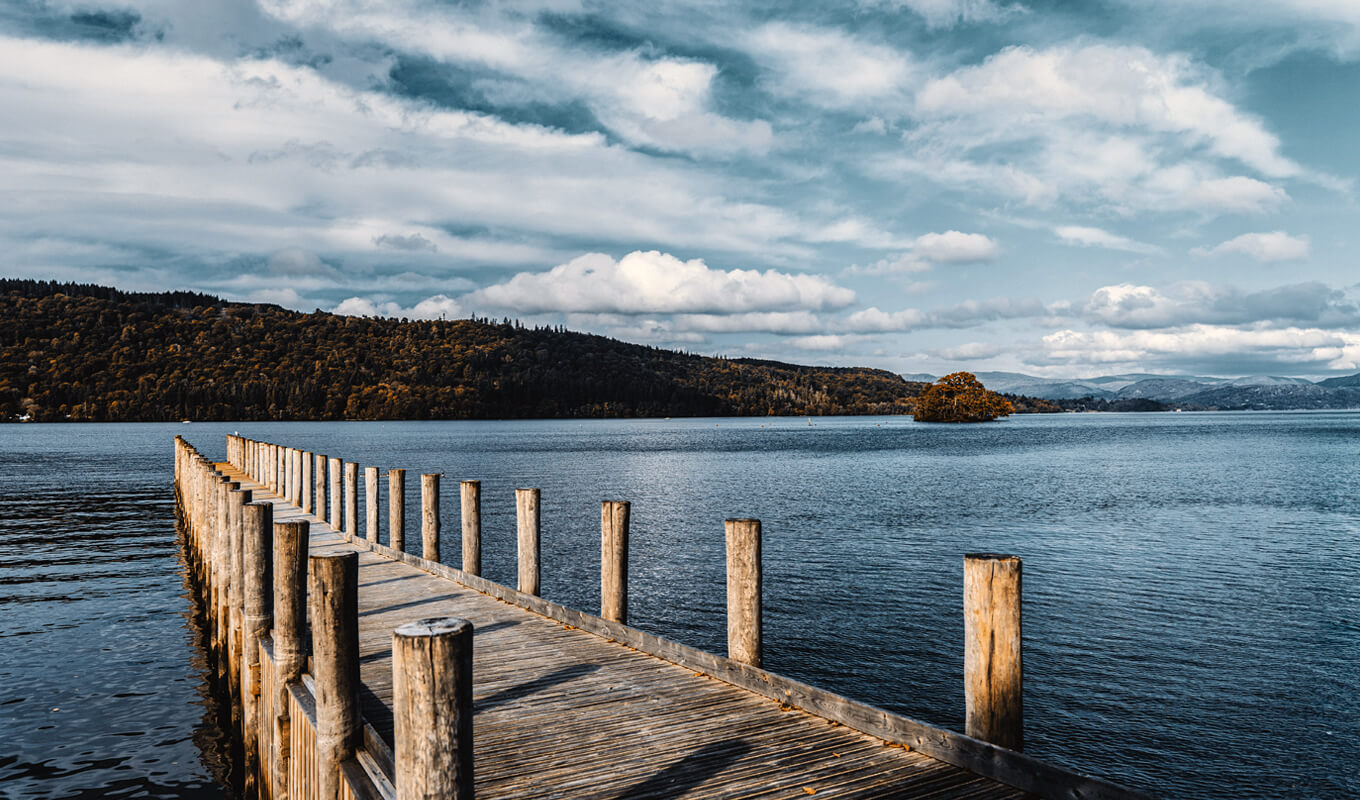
(290, 634)
(371, 503)
(429, 516)
(333, 594)
(295, 476)
(743, 591)
(396, 509)
(319, 504)
(527, 529)
(286, 473)
(257, 560)
(614, 520)
(471, 496)
(306, 482)
(993, 678)
(236, 500)
(432, 709)
(351, 499)
(337, 499)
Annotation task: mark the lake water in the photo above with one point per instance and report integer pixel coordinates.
(1192, 581)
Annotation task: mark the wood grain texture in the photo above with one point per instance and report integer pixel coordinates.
(432, 683)
(743, 591)
(429, 516)
(332, 596)
(471, 495)
(614, 521)
(396, 508)
(528, 547)
(992, 670)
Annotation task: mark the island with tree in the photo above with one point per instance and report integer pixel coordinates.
(960, 397)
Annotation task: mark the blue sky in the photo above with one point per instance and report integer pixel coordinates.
(1059, 188)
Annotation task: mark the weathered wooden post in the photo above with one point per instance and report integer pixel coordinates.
(295, 476)
(320, 503)
(236, 501)
(993, 679)
(432, 709)
(290, 635)
(281, 453)
(371, 503)
(351, 499)
(614, 518)
(396, 509)
(527, 519)
(429, 516)
(306, 483)
(337, 499)
(743, 591)
(333, 595)
(471, 492)
(257, 560)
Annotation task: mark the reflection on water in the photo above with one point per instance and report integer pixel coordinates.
(101, 681)
(1191, 580)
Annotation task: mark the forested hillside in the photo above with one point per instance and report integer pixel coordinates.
(82, 352)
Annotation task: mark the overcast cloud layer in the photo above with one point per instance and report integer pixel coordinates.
(919, 185)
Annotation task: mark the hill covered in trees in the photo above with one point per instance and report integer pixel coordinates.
(83, 352)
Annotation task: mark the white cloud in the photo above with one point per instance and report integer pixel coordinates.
(435, 307)
(926, 250)
(1125, 87)
(1096, 237)
(1290, 348)
(1127, 305)
(654, 282)
(829, 66)
(963, 315)
(1269, 247)
(656, 102)
(953, 247)
(1119, 126)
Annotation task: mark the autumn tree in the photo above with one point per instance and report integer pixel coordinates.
(960, 397)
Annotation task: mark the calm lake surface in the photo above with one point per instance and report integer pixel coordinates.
(1192, 581)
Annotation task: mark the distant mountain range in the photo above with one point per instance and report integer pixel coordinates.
(1261, 392)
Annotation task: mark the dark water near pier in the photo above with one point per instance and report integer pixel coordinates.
(1192, 581)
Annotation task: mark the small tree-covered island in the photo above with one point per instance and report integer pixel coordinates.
(960, 397)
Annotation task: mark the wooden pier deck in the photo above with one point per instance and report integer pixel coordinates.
(563, 704)
(562, 713)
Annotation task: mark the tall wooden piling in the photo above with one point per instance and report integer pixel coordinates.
(429, 516)
(371, 503)
(351, 499)
(527, 538)
(307, 483)
(993, 677)
(236, 500)
(257, 560)
(295, 469)
(471, 492)
(320, 490)
(432, 709)
(743, 591)
(333, 597)
(614, 519)
(290, 635)
(396, 509)
(336, 495)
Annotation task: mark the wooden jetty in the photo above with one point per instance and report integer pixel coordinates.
(353, 673)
